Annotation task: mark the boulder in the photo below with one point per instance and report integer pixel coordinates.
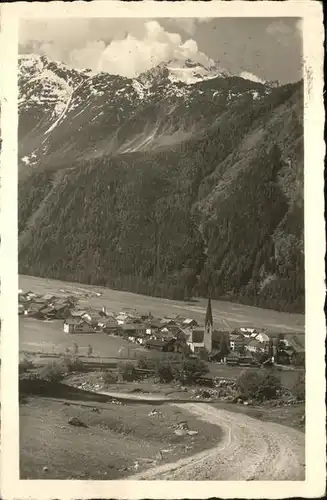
(77, 422)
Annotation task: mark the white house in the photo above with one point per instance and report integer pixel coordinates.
(195, 340)
(262, 337)
(122, 318)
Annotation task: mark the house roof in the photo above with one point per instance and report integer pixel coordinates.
(132, 327)
(74, 321)
(254, 343)
(155, 342)
(188, 321)
(168, 321)
(48, 296)
(78, 313)
(263, 336)
(109, 322)
(154, 323)
(236, 336)
(197, 335)
(47, 310)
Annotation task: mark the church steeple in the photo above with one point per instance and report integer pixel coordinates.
(208, 320)
(208, 325)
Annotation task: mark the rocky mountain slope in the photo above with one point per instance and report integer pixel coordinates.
(182, 178)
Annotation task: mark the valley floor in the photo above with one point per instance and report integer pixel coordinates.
(226, 315)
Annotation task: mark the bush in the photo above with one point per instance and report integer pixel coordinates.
(109, 377)
(73, 364)
(25, 365)
(165, 373)
(298, 359)
(127, 371)
(298, 388)
(146, 363)
(192, 369)
(53, 372)
(258, 385)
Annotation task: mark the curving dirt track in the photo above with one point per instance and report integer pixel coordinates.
(249, 450)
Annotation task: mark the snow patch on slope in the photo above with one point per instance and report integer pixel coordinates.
(139, 89)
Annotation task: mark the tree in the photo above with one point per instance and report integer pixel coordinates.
(224, 346)
(192, 370)
(298, 388)
(258, 385)
(127, 371)
(165, 372)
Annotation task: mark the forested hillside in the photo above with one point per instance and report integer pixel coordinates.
(213, 197)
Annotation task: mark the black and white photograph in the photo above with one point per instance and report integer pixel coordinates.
(162, 307)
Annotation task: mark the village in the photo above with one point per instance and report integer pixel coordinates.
(245, 346)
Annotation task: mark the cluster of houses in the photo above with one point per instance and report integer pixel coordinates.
(169, 334)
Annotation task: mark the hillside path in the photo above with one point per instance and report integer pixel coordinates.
(248, 450)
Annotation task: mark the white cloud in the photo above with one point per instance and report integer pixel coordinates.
(126, 48)
(131, 56)
(250, 76)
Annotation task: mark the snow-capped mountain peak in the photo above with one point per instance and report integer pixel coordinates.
(185, 71)
(191, 72)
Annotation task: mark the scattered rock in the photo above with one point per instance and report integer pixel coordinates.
(182, 425)
(239, 401)
(246, 403)
(180, 432)
(77, 422)
(192, 433)
(159, 456)
(206, 394)
(45, 469)
(96, 410)
(154, 412)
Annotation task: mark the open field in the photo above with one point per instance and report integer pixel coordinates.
(227, 315)
(49, 337)
(115, 441)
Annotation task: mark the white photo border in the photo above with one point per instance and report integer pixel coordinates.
(314, 151)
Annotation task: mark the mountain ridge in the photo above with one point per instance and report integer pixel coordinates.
(163, 188)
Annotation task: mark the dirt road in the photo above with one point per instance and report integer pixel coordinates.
(249, 450)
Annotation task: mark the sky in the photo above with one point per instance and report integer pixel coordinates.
(261, 49)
